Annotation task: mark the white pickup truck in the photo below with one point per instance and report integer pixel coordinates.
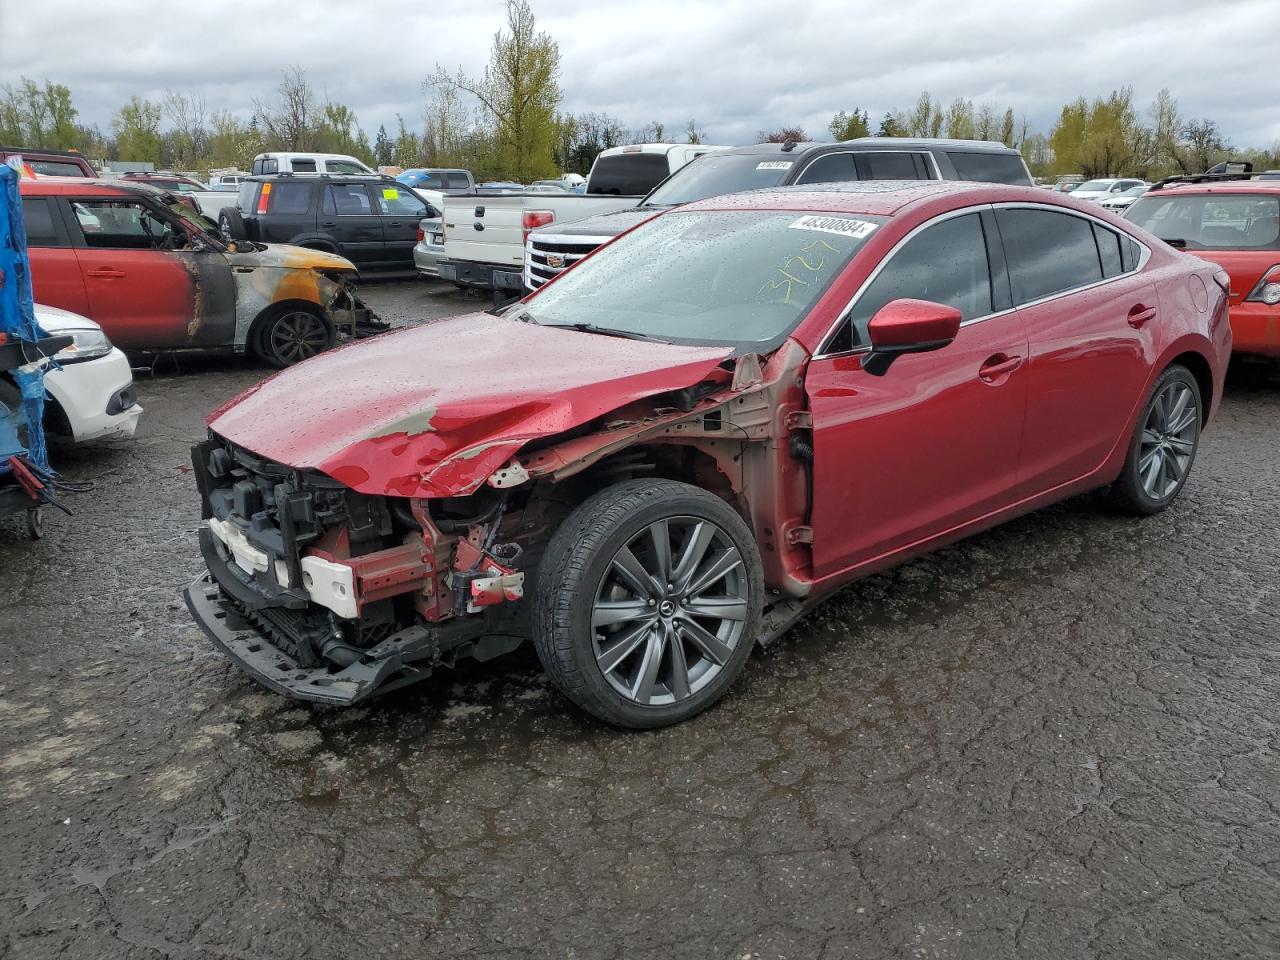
(484, 235)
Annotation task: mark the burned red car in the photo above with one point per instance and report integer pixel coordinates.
(672, 451)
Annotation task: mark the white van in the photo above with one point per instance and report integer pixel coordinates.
(268, 163)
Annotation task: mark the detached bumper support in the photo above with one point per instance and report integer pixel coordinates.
(278, 671)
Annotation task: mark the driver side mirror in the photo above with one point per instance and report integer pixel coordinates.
(908, 326)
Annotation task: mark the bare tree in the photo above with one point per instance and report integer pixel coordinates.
(290, 117)
(782, 135)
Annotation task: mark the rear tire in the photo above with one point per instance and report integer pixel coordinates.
(1163, 447)
(290, 334)
(622, 644)
(231, 223)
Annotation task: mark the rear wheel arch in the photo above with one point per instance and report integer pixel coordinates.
(1199, 367)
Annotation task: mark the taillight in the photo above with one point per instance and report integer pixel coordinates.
(421, 234)
(533, 219)
(1268, 289)
(264, 197)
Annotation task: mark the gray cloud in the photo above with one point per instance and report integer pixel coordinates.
(737, 68)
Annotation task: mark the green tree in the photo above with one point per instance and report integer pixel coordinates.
(850, 126)
(408, 146)
(137, 130)
(925, 119)
(519, 94)
(383, 151)
(782, 135)
(959, 120)
(32, 115)
(891, 126)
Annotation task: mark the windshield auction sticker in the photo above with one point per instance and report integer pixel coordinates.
(774, 165)
(844, 226)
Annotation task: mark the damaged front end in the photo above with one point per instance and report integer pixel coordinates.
(326, 594)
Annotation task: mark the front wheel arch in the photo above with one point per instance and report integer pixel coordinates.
(255, 341)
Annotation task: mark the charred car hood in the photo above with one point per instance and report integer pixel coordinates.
(434, 410)
(287, 257)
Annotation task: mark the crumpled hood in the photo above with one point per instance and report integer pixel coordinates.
(432, 411)
(287, 256)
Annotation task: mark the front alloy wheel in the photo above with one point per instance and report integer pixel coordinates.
(648, 602)
(670, 610)
(293, 335)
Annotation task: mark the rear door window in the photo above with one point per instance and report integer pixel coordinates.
(833, 168)
(892, 165)
(343, 166)
(1047, 252)
(347, 200)
(38, 218)
(989, 167)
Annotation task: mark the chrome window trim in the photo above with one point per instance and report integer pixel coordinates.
(1144, 255)
(927, 154)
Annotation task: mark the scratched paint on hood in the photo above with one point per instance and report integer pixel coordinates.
(484, 385)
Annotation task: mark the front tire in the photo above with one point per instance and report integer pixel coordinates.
(291, 334)
(648, 602)
(1163, 447)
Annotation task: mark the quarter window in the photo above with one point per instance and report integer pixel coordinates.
(1109, 251)
(37, 218)
(290, 198)
(945, 263)
(457, 181)
(303, 166)
(1047, 252)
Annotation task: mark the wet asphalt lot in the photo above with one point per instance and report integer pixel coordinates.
(1060, 739)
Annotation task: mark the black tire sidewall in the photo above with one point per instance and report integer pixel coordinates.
(594, 693)
(261, 336)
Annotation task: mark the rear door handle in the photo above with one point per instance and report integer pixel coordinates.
(1140, 314)
(329, 223)
(105, 273)
(998, 367)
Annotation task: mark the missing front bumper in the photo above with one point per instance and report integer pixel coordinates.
(386, 669)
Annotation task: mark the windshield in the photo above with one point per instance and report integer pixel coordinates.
(1211, 221)
(714, 174)
(195, 220)
(1098, 185)
(719, 277)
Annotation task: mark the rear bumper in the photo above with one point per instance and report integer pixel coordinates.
(426, 259)
(483, 276)
(1255, 329)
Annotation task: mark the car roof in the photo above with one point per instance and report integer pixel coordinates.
(929, 143)
(84, 186)
(881, 198)
(1223, 186)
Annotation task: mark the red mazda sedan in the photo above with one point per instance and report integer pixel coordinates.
(672, 451)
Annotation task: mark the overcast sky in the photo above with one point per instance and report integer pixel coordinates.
(737, 67)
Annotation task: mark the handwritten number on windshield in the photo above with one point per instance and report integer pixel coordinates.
(795, 264)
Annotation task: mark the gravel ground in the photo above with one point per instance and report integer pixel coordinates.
(1056, 740)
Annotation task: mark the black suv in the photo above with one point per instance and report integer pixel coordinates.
(557, 247)
(370, 220)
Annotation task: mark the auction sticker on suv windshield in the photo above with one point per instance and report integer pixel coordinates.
(774, 165)
(844, 226)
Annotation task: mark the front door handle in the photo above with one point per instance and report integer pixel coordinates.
(1140, 314)
(329, 223)
(105, 273)
(998, 367)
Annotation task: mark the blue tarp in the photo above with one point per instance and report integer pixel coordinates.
(17, 317)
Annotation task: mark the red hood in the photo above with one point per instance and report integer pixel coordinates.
(434, 410)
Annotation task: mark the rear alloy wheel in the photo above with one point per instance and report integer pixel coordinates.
(648, 602)
(1163, 447)
(293, 334)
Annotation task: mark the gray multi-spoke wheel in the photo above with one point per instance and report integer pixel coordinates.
(294, 334)
(648, 602)
(1164, 444)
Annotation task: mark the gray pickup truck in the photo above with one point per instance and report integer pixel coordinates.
(553, 249)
